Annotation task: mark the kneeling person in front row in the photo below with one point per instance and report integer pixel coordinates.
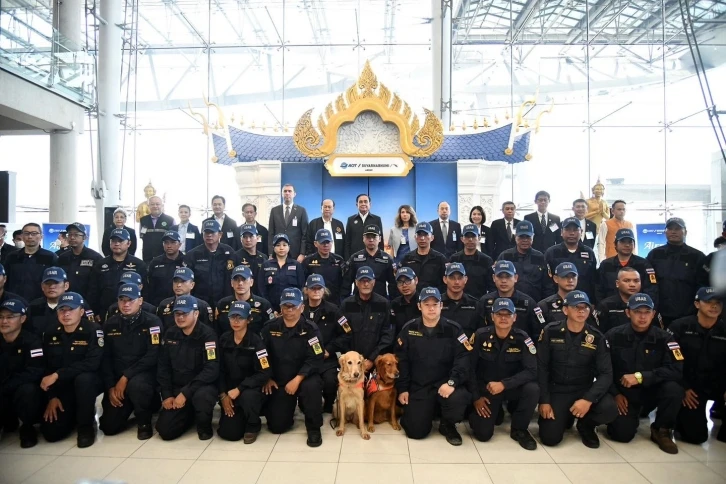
(243, 369)
(133, 339)
(504, 367)
(433, 360)
(296, 355)
(571, 354)
(187, 372)
(73, 351)
(647, 369)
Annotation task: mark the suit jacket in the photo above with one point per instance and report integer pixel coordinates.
(453, 241)
(590, 228)
(544, 240)
(338, 236)
(263, 237)
(152, 236)
(354, 228)
(5, 250)
(295, 230)
(230, 235)
(499, 238)
(191, 242)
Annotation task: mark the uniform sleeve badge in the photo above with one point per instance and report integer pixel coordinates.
(540, 316)
(211, 348)
(465, 341)
(530, 345)
(315, 344)
(155, 333)
(344, 323)
(676, 349)
(262, 356)
(230, 264)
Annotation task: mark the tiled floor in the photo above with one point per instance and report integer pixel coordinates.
(389, 457)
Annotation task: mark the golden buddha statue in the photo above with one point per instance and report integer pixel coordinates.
(597, 208)
(143, 208)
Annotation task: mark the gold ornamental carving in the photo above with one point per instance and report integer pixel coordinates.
(367, 94)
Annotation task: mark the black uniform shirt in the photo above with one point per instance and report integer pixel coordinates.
(371, 324)
(704, 352)
(610, 312)
(523, 304)
(479, 272)
(212, 271)
(429, 268)
(403, 311)
(461, 311)
(383, 267)
(245, 366)
(607, 274)
(531, 269)
(293, 351)
(187, 362)
(254, 262)
(260, 313)
(132, 346)
(159, 283)
(70, 354)
(335, 330)
(165, 312)
(331, 268)
(79, 269)
(103, 290)
(21, 361)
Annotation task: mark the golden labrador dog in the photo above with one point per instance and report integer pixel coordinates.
(350, 404)
(381, 393)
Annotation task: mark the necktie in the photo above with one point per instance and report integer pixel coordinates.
(544, 224)
(287, 214)
(445, 229)
(509, 230)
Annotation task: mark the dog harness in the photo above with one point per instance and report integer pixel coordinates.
(375, 386)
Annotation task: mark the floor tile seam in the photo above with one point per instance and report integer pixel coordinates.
(41, 468)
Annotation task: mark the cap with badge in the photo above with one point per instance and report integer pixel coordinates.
(315, 280)
(623, 234)
(248, 229)
(291, 295)
(130, 291)
(211, 226)
(186, 304)
(371, 229)
(76, 226)
(676, 221)
(242, 271)
(240, 308)
(424, 227)
(455, 267)
(573, 298)
(525, 228)
(565, 269)
(640, 300)
(14, 306)
(707, 294)
(364, 272)
(405, 272)
(130, 277)
(184, 273)
(55, 274)
(171, 235)
(71, 300)
(323, 235)
(505, 267)
(570, 221)
(280, 238)
(503, 304)
(470, 229)
(121, 234)
(428, 292)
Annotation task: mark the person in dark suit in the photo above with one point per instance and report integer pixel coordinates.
(327, 222)
(478, 217)
(189, 233)
(503, 230)
(356, 223)
(292, 220)
(249, 211)
(5, 248)
(547, 227)
(450, 242)
(152, 228)
(229, 233)
(589, 229)
(119, 222)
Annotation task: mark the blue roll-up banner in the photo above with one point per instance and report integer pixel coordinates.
(51, 239)
(649, 237)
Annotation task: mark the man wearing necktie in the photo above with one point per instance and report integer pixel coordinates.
(447, 232)
(547, 227)
(502, 230)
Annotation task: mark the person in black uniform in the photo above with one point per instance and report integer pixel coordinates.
(260, 308)
(250, 254)
(549, 310)
(612, 311)
(78, 262)
(41, 313)
(404, 308)
(187, 372)
(607, 273)
(107, 273)
(227, 225)
(212, 263)
(280, 272)
(647, 371)
(182, 285)
(24, 267)
(503, 367)
(72, 381)
(428, 264)
(327, 264)
(680, 272)
(354, 239)
(571, 354)
(369, 315)
(162, 267)
(702, 338)
(249, 212)
(5, 295)
(244, 368)
(119, 222)
(377, 259)
(503, 229)
(128, 369)
(433, 361)
(153, 228)
(573, 250)
(130, 278)
(505, 278)
(530, 263)
(335, 332)
(296, 355)
(23, 363)
(456, 305)
(477, 264)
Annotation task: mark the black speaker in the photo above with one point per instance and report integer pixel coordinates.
(7, 196)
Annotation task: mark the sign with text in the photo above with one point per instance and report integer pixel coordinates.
(51, 236)
(649, 237)
(368, 165)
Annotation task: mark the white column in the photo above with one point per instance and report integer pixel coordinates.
(63, 200)
(478, 183)
(108, 181)
(441, 32)
(259, 183)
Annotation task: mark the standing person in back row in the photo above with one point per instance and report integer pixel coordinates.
(503, 230)
(289, 219)
(354, 228)
(228, 226)
(609, 229)
(152, 228)
(327, 222)
(24, 267)
(546, 225)
(447, 232)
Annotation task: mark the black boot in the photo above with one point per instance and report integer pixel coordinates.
(588, 435)
(144, 432)
(86, 436)
(525, 439)
(448, 430)
(28, 436)
(205, 431)
(315, 438)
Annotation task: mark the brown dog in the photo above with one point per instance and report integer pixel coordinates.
(381, 393)
(349, 403)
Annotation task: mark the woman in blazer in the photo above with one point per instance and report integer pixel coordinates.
(478, 217)
(119, 222)
(402, 234)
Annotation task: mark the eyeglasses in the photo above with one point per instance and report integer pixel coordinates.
(31, 234)
(582, 308)
(404, 282)
(10, 317)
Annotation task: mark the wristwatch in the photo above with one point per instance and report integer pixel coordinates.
(451, 383)
(638, 376)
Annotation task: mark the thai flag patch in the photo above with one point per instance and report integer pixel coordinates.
(261, 353)
(99, 333)
(673, 346)
(313, 340)
(155, 330)
(210, 345)
(529, 342)
(36, 352)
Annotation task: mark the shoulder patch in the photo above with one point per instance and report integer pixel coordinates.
(465, 341)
